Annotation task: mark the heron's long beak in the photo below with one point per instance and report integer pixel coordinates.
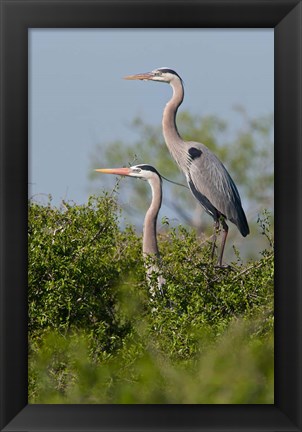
(140, 76)
(118, 171)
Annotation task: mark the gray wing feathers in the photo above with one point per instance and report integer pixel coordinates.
(211, 180)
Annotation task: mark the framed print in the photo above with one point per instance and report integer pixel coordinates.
(18, 19)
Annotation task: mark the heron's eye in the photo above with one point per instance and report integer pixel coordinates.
(136, 170)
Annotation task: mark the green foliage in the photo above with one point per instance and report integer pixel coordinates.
(236, 369)
(76, 256)
(97, 336)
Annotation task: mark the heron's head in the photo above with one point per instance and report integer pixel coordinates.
(163, 74)
(143, 171)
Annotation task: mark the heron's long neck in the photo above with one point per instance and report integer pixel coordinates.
(149, 237)
(171, 135)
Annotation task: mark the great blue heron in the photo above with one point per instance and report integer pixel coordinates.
(207, 177)
(150, 246)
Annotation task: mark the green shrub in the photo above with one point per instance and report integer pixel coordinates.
(96, 335)
(236, 368)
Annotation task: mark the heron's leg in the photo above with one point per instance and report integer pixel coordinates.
(225, 230)
(216, 228)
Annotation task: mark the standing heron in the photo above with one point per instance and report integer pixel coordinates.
(150, 247)
(207, 177)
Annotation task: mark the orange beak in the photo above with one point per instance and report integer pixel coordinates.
(117, 171)
(140, 76)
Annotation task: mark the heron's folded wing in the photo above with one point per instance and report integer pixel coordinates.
(211, 183)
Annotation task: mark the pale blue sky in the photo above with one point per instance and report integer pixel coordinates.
(78, 99)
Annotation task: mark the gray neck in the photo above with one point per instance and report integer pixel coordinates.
(170, 132)
(149, 238)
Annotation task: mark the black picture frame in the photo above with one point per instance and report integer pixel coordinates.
(17, 16)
